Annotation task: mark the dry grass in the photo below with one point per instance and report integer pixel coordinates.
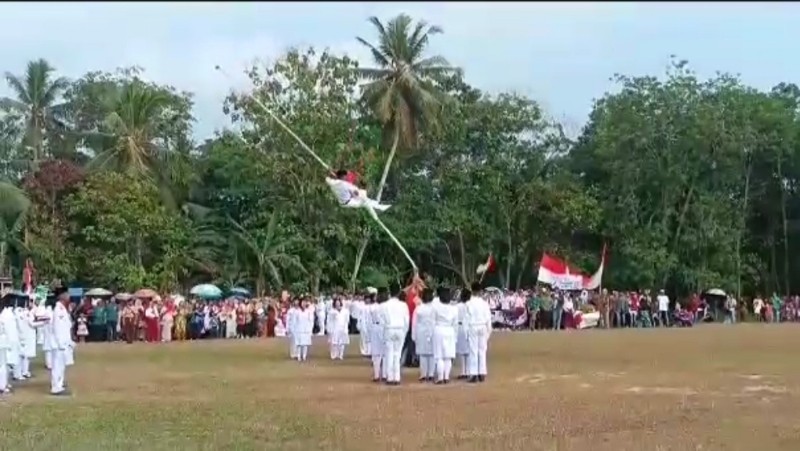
(706, 388)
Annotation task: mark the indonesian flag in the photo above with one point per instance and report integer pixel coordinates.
(486, 267)
(560, 274)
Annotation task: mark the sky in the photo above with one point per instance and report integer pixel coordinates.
(561, 54)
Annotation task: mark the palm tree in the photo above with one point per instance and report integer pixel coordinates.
(36, 94)
(270, 251)
(128, 140)
(402, 91)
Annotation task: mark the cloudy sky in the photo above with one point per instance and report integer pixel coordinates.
(560, 54)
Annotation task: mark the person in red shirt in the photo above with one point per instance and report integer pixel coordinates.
(410, 295)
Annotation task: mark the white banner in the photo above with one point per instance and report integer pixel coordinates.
(567, 282)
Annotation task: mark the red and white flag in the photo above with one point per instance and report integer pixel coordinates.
(562, 275)
(486, 267)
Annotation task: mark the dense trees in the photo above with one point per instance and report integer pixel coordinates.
(691, 182)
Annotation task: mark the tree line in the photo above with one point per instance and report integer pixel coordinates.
(692, 183)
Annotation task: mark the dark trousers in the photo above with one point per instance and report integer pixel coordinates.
(409, 355)
(111, 331)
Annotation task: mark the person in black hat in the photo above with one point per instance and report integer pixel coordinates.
(462, 342)
(478, 322)
(376, 342)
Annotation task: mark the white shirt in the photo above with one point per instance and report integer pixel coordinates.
(568, 305)
(445, 315)
(423, 321)
(395, 314)
(663, 302)
(62, 327)
(477, 313)
(344, 190)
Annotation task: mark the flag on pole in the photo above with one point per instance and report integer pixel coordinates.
(487, 267)
(562, 275)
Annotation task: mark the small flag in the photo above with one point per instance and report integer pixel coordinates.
(486, 267)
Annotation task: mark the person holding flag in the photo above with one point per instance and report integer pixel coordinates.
(487, 267)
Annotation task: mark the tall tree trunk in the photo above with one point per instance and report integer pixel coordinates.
(785, 225)
(742, 227)
(509, 260)
(365, 241)
(463, 253)
(679, 230)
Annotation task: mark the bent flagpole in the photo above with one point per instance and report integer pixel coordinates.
(281, 123)
(326, 166)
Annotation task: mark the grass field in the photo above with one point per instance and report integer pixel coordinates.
(712, 387)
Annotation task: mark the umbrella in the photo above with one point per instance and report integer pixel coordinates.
(240, 291)
(715, 292)
(98, 292)
(124, 296)
(145, 293)
(206, 290)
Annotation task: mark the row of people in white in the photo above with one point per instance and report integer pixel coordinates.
(442, 331)
(18, 342)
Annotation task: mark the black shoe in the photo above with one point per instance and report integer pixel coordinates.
(472, 380)
(431, 379)
(446, 381)
(481, 378)
(383, 379)
(439, 382)
(423, 379)
(376, 380)
(463, 377)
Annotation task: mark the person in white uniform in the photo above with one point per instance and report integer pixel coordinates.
(303, 329)
(462, 344)
(12, 350)
(43, 315)
(338, 333)
(445, 319)
(376, 336)
(362, 324)
(478, 320)
(6, 336)
(396, 320)
(422, 333)
(27, 325)
(62, 352)
(291, 317)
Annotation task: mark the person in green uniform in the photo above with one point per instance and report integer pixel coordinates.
(112, 320)
(533, 303)
(97, 329)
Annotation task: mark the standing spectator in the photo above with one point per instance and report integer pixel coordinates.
(777, 304)
(112, 320)
(602, 307)
(97, 329)
(730, 310)
(129, 322)
(546, 310)
(758, 308)
(558, 311)
(533, 304)
(633, 308)
(663, 308)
